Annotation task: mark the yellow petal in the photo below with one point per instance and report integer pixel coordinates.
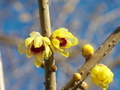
(56, 33)
(38, 42)
(47, 50)
(106, 82)
(47, 40)
(28, 41)
(46, 58)
(68, 45)
(59, 31)
(37, 62)
(40, 56)
(22, 48)
(56, 43)
(111, 76)
(53, 49)
(50, 53)
(68, 35)
(61, 35)
(63, 29)
(103, 87)
(95, 71)
(28, 53)
(34, 33)
(71, 38)
(94, 79)
(64, 53)
(74, 41)
(103, 73)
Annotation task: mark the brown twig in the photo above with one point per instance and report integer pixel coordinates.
(102, 51)
(10, 40)
(50, 77)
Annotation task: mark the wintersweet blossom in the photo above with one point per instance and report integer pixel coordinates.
(102, 76)
(87, 51)
(62, 39)
(36, 46)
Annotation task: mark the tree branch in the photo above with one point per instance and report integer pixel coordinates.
(102, 51)
(10, 40)
(50, 77)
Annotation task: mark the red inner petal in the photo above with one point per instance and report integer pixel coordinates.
(37, 50)
(63, 41)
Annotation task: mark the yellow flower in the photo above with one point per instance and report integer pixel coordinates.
(102, 76)
(62, 39)
(87, 51)
(37, 46)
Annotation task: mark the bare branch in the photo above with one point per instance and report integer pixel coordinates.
(10, 40)
(102, 51)
(50, 77)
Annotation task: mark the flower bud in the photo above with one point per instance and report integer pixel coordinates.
(84, 86)
(87, 51)
(77, 76)
(102, 76)
(53, 68)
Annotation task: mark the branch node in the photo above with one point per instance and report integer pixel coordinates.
(48, 79)
(82, 72)
(105, 53)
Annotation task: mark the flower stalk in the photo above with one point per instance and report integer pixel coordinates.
(50, 77)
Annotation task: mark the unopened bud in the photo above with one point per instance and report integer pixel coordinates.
(77, 76)
(53, 68)
(84, 86)
(87, 51)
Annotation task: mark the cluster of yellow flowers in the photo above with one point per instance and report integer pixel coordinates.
(42, 47)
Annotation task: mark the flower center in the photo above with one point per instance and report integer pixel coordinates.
(37, 50)
(63, 41)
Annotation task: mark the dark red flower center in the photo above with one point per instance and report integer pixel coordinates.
(63, 41)
(37, 50)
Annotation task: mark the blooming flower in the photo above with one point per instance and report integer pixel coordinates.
(102, 76)
(61, 39)
(87, 51)
(37, 46)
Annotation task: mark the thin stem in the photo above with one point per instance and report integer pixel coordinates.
(102, 51)
(50, 77)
